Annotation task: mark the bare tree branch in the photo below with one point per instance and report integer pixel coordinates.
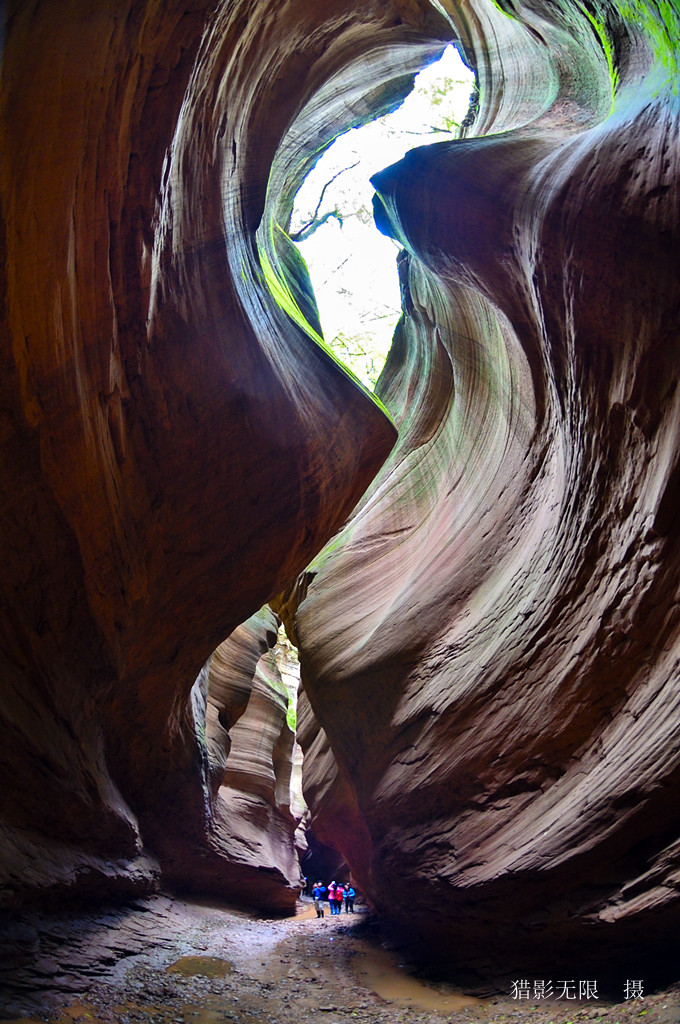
(311, 226)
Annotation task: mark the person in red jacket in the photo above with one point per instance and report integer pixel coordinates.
(339, 894)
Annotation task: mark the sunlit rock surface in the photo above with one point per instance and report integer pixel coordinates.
(491, 646)
(246, 849)
(252, 753)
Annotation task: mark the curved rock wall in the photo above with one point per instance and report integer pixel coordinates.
(174, 448)
(498, 622)
(250, 749)
(491, 645)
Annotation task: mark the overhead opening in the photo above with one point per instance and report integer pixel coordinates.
(353, 266)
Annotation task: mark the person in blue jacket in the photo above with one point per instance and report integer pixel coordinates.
(319, 895)
(350, 893)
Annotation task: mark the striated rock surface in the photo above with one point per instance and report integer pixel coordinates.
(491, 646)
(174, 447)
(246, 843)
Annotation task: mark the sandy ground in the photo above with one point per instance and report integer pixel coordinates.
(174, 962)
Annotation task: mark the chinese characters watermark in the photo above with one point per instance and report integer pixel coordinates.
(571, 988)
(561, 989)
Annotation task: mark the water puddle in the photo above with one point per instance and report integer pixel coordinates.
(207, 966)
(306, 914)
(380, 970)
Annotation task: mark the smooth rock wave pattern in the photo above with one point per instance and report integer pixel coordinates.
(175, 448)
(490, 645)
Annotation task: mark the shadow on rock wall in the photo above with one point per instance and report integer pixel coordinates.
(490, 645)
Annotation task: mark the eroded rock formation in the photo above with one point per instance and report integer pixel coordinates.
(251, 753)
(499, 620)
(497, 624)
(174, 448)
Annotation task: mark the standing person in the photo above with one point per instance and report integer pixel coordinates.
(339, 894)
(318, 894)
(331, 897)
(350, 893)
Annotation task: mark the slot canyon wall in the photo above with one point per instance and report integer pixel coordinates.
(174, 449)
(490, 644)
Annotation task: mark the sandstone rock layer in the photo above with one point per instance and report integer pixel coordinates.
(491, 645)
(175, 448)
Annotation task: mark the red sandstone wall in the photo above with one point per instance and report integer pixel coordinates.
(498, 620)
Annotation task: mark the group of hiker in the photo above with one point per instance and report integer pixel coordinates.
(337, 893)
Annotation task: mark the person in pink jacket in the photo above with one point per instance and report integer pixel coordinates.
(339, 894)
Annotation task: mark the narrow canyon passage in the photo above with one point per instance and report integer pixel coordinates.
(478, 563)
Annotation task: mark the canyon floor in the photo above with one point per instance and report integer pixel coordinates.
(165, 961)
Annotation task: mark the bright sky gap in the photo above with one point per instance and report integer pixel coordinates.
(352, 266)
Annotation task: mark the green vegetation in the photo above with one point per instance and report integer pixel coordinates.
(660, 22)
(284, 298)
(501, 8)
(287, 657)
(607, 48)
(354, 266)
(363, 353)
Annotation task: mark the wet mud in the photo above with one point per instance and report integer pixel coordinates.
(381, 971)
(184, 962)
